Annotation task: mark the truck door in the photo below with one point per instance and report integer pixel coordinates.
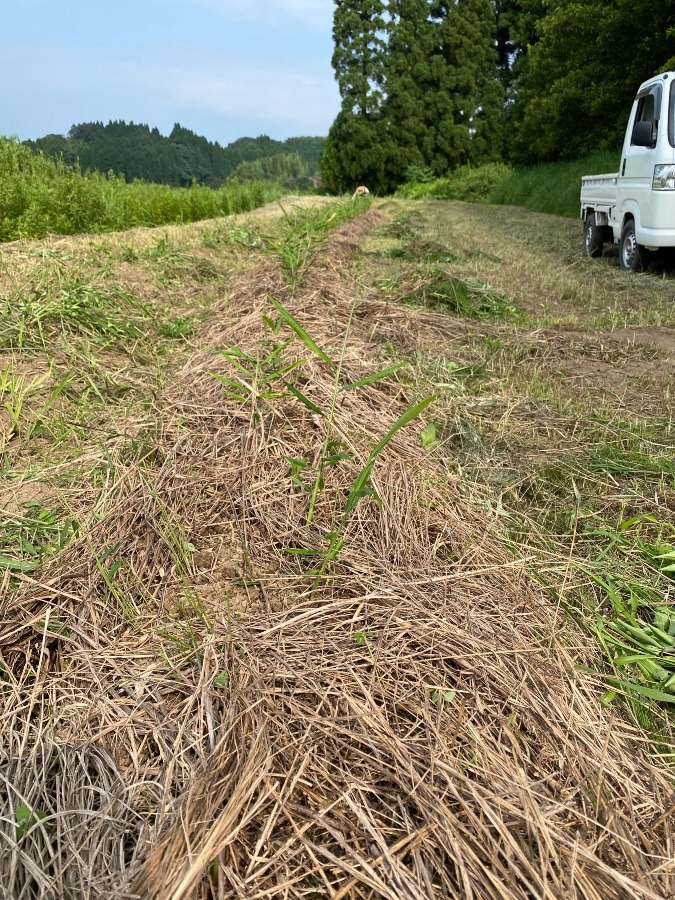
(637, 163)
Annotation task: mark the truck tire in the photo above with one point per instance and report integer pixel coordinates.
(594, 236)
(632, 257)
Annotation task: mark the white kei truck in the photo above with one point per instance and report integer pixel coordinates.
(635, 207)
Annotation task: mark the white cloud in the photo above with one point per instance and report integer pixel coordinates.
(296, 99)
(317, 14)
(220, 96)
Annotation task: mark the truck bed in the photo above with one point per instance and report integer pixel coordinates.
(599, 190)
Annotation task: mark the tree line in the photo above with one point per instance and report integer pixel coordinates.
(183, 158)
(428, 86)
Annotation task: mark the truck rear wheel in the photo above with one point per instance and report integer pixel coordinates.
(632, 257)
(594, 236)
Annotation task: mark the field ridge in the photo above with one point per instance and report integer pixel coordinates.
(251, 670)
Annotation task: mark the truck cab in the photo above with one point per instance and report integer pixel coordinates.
(635, 207)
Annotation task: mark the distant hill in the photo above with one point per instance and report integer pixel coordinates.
(138, 151)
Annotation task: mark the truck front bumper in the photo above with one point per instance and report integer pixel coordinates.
(661, 232)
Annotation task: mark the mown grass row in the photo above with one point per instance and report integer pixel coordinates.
(86, 331)
(39, 196)
(575, 483)
(90, 333)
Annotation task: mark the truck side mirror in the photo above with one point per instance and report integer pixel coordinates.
(643, 135)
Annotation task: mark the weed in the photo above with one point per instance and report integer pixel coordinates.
(301, 234)
(266, 378)
(611, 459)
(404, 227)
(177, 329)
(330, 453)
(26, 818)
(244, 237)
(27, 540)
(257, 378)
(421, 251)
(73, 308)
(464, 298)
(637, 631)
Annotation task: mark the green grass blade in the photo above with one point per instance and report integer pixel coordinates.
(303, 399)
(377, 376)
(301, 551)
(16, 565)
(411, 413)
(359, 488)
(643, 690)
(297, 328)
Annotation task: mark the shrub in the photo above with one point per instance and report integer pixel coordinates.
(466, 183)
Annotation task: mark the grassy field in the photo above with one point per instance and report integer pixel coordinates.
(336, 559)
(39, 196)
(553, 187)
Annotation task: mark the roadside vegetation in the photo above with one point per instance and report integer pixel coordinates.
(552, 187)
(547, 187)
(466, 183)
(39, 196)
(336, 554)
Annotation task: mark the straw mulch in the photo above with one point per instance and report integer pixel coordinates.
(415, 726)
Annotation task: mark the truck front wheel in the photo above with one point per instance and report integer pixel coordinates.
(632, 257)
(593, 236)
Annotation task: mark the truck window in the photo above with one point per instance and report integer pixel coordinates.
(671, 115)
(649, 108)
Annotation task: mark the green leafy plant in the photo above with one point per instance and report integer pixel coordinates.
(178, 328)
(639, 635)
(428, 437)
(26, 818)
(26, 541)
(332, 453)
(257, 378)
(464, 298)
(466, 183)
(266, 378)
(441, 695)
(302, 232)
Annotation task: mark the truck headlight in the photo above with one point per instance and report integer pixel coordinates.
(664, 178)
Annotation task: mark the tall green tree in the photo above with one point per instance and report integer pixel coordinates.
(359, 37)
(415, 88)
(354, 151)
(466, 43)
(517, 32)
(444, 102)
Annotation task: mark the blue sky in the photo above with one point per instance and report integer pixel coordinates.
(223, 68)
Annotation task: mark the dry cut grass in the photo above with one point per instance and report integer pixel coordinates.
(208, 719)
